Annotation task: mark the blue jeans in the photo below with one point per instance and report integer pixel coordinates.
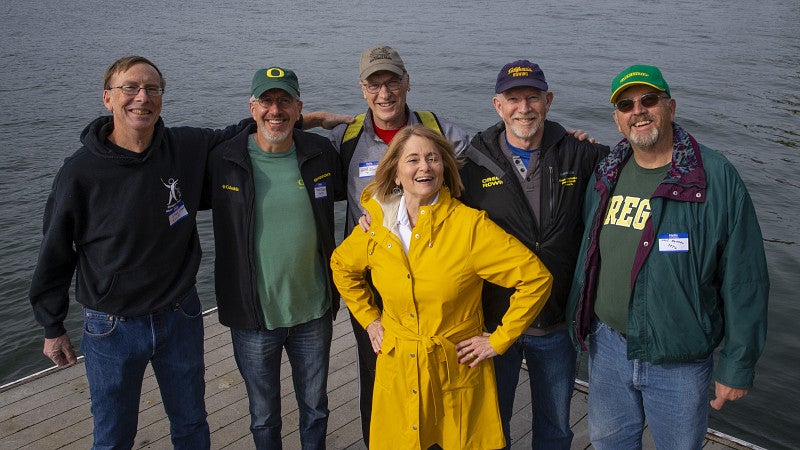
(117, 351)
(673, 398)
(258, 355)
(551, 366)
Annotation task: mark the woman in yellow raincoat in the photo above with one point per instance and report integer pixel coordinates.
(428, 255)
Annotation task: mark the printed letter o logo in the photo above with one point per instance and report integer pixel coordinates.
(275, 72)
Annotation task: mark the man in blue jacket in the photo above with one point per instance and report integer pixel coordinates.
(672, 264)
(272, 189)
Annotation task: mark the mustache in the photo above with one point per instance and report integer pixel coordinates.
(641, 117)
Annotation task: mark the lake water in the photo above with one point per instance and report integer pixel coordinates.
(732, 66)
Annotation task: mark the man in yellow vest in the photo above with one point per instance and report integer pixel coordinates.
(384, 83)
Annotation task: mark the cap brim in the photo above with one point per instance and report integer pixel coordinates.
(522, 82)
(382, 67)
(259, 91)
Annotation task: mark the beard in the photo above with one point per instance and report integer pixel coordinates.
(275, 137)
(526, 133)
(644, 141)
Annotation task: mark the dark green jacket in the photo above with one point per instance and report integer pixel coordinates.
(684, 304)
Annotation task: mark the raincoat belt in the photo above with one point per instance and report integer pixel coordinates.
(438, 348)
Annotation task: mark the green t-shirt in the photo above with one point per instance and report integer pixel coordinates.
(289, 269)
(628, 211)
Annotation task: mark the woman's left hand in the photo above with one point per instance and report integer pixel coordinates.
(474, 350)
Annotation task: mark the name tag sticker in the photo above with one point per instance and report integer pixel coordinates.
(367, 169)
(673, 243)
(321, 190)
(177, 213)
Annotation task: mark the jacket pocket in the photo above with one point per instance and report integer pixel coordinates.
(460, 376)
(386, 364)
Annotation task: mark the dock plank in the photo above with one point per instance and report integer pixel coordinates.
(51, 410)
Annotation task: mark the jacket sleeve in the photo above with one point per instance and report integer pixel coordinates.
(744, 290)
(349, 264)
(502, 259)
(49, 292)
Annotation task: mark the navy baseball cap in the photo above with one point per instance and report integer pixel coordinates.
(520, 73)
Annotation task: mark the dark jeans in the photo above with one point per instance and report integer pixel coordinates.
(258, 355)
(551, 361)
(117, 351)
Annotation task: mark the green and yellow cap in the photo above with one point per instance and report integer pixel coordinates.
(275, 78)
(638, 74)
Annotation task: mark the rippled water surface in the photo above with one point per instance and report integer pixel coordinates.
(732, 66)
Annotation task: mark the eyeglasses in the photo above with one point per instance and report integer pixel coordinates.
(647, 100)
(282, 102)
(130, 90)
(391, 85)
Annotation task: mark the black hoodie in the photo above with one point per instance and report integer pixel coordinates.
(126, 221)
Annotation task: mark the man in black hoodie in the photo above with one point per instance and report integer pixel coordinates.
(121, 216)
(529, 174)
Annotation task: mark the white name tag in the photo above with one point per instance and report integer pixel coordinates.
(367, 169)
(673, 242)
(320, 190)
(177, 213)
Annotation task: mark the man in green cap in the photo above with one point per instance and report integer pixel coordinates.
(672, 263)
(272, 188)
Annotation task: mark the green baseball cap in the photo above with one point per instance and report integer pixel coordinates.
(638, 74)
(275, 78)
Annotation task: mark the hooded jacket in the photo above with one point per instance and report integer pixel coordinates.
(684, 304)
(126, 221)
(232, 195)
(567, 165)
(431, 302)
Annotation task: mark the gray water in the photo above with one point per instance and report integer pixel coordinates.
(733, 68)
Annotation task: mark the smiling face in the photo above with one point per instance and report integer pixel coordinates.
(275, 113)
(388, 107)
(134, 114)
(647, 129)
(523, 110)
(420, 170)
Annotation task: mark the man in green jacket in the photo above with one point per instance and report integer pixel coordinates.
(672, 263)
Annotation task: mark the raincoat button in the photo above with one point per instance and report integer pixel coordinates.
(412, 314)
(413, 355)
(372, 233)
(413, 391)
(389, 246)
(674, 192)
(422, 212)
(416, 236)
(408, 276)
(645, 243)
(414, 427)
(698, 195)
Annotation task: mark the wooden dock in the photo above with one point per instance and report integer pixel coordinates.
(50, 410)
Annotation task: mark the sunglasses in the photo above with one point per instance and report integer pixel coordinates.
(647, 100)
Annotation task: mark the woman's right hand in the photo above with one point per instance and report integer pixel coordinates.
(375, 332)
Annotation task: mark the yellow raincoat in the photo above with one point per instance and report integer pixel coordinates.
(432, 301)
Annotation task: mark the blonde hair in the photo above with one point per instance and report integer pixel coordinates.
(387, 167)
